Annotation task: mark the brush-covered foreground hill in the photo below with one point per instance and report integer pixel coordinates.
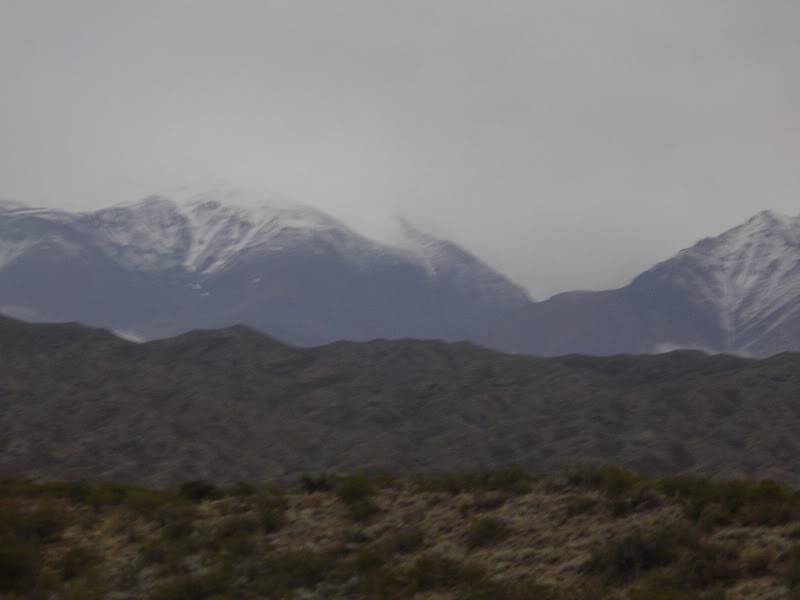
(590, 535)
(234, 405)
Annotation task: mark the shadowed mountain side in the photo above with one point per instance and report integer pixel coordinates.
(237, 405)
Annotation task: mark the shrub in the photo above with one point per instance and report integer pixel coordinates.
(486, 532)
(271, 511)
(75, 562)
(84, 590)
(146, 503)
(713, 516)
(233, 527)
(370, 559)
(608, 479)
(178, 529)
(354, 489)
(757, 561)
(320, 483)
(240, 489)
(631, 556)
(43, 524)
(636, 500)
(239, 545)
(510, 480)
(706, 565)
(362, 510)
(793, 568)
(19, 564)
(293, 569)
(520, 590)
(103, 495)
(579, 505)
(197, 587)
(486, 501)
(407, 540)
(758, 503)
(432, 571)
(198, 491)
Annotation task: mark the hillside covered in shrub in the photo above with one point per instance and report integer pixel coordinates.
(588, 533)
(235, 405)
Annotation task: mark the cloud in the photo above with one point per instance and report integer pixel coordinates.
(570, 144)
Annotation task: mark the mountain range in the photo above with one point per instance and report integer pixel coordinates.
(161, 267)
(236, 405)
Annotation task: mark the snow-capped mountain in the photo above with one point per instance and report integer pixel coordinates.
(748, 278)
(738, 292)
(161, 266)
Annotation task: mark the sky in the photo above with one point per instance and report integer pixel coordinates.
(569, 143)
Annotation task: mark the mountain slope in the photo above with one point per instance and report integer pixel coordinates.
(738, 292)
(236, 405)
(160, 267)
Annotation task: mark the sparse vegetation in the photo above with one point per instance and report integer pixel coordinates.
(486, 531)
(673, 538)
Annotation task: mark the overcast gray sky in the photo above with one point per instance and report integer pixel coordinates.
(569, 143)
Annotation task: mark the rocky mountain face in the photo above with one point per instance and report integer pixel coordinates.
(160, 267)
(738, 292)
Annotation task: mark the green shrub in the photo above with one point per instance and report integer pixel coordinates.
(579, 505)
(713, 516)
(240, 489)
(433, 571)
(510, 480)
(607, 479)
(354, 489)
(75, 562)
(793, 568)
(707, 565)
(748, 502)
(320, 483)
(486, 531)
(370, 559)
(198, 491)
(154, 552)
(407, 540)
(198, 587)
(233, 527)
(43, 524)
(146, 503)
(487, 501)
(104, 495)
(271, 511)
(178, 529)
(631, 556)
(502, 590)
(291, 569)
(19, 564)
(362, 510)
(239, 545)
(757, 561)
(83, 589)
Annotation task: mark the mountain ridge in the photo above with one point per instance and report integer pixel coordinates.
(160, 266)
(235, 405)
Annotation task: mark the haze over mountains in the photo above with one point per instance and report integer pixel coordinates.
(161, 267)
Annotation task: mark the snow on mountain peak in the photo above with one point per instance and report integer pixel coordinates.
(749, 274)
(443, 258)
(200, 232)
